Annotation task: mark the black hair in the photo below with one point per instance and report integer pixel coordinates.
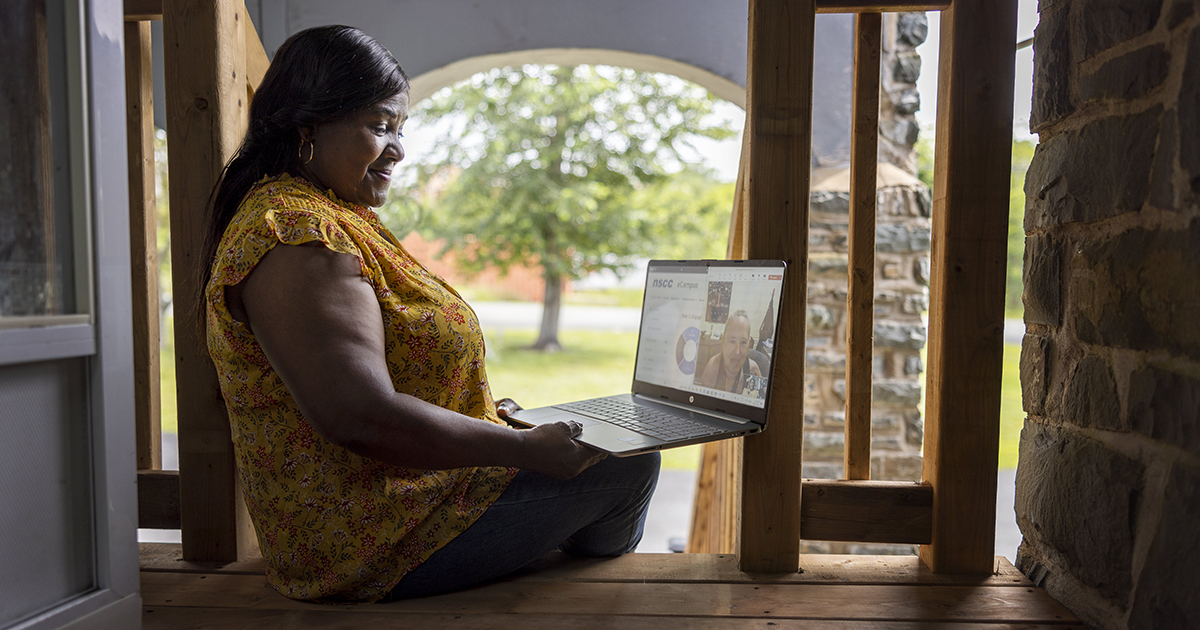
(319, 75)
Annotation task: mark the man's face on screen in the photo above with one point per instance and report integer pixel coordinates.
(735, 344)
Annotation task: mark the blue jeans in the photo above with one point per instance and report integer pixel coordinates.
(600, 512)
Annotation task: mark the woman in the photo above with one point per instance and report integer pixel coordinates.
(373, 460)
(727, 370)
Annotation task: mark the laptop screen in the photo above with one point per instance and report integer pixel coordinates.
(708, 333)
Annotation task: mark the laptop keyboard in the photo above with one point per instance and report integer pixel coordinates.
(645, 420)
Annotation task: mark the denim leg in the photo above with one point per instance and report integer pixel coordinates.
(600, 512)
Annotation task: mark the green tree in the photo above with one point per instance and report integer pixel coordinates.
(553, 167)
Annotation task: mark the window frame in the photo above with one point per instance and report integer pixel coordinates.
(101, 332)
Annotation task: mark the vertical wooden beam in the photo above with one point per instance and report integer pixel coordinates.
(780, 79)
(735, 248)
(966, 317)
(205, 62)
(143, 243)
(703, 526)
(256, 56)
(860, 297)
(716, 510)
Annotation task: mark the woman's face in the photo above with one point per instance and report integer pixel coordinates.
(354, 156)
(735, 344)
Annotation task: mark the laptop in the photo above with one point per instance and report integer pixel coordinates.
(703, 368)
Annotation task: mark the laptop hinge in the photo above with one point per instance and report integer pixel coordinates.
(706, 412)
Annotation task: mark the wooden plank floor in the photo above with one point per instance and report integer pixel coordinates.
(658, 591)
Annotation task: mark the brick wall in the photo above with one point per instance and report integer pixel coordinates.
(1108, 485)
(518, 283)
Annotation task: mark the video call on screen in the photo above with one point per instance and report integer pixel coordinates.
(710, 330)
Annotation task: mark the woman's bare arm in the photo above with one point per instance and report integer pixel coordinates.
(319, 323)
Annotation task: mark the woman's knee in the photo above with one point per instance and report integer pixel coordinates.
(647, 467)
(638, 471)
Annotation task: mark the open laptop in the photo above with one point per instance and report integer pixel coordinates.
(703, 368)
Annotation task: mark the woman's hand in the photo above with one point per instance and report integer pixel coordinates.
(553, 451)
(552, 448)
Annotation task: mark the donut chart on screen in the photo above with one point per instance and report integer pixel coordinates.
(686, 349)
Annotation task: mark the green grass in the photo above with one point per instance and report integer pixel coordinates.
(166, 377)
(1012, 418)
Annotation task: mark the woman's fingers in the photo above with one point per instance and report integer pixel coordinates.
(506, 407)
(558, 454)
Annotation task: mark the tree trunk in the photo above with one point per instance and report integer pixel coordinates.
(547, 340)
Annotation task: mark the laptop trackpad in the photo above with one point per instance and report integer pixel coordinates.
(550, 415)
(602, 435)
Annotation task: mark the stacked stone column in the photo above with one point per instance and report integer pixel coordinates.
(1108, 485)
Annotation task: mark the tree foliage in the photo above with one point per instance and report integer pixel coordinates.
(570, 169)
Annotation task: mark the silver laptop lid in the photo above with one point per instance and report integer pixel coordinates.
(708, 332)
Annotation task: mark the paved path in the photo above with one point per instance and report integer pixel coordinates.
(529, 315)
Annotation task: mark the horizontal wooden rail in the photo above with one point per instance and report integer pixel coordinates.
(884, 6)
(838, 510)
(158, 499)
(141, 10)
(866, 511)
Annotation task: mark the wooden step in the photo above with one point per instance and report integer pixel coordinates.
(653, 591)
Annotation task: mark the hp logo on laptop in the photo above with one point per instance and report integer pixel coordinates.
(691, 399)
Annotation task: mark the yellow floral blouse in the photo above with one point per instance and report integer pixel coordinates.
(333, 525)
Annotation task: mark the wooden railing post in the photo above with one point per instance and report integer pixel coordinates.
(143, 243)
(966, 315)
(205, 62)
(860, 295)
(779, 121)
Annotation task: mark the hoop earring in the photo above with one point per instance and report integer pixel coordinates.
(312, 149)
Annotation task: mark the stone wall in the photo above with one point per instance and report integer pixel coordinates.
(902, 243)
(1108, 485)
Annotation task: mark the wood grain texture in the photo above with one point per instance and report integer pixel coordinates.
(723, 568)
(206, 111)
(860, 295)
(664, 567)
(617, 600)
(158, 499)
(966, 313)
(143, 244)
(256, 56)
(779, 122)
(716, 509)
(735, 248)
(186, 618)
(866, 511)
